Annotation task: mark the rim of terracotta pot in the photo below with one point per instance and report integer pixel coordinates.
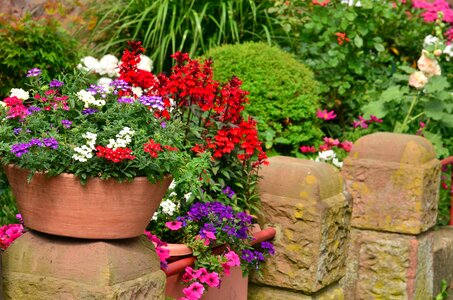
(101, 209)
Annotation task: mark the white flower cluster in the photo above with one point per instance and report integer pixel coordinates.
(167, 207)
(85, 152)
(123, 138)
(108, 65)
(327, 156)
(20, 93)
(89, 99)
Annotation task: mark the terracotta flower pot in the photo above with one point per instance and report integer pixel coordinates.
(102, 209)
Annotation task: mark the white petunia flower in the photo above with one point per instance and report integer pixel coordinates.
(337, 163)
(172, 185)
(20, 93)
(89, 64)
(326, 155)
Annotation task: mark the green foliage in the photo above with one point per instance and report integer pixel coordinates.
(8, 208)
(29, 43)
(283, 94)
(167, 26)
(443, 294)
(355, 68)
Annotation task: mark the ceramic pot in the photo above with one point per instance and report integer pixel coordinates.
(102, 209)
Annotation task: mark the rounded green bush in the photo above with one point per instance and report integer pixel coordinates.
(283, 94)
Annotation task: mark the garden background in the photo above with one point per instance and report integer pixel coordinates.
(321, 74)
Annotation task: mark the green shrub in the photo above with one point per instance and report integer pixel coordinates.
(8, 208)
(167, 26)
(283, 95)
(29, 43)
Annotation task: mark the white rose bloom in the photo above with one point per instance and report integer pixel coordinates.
(89, 64)
(326, 155)
(19, 93)
(145, 63)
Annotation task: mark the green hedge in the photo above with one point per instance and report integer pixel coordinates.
(283, 94)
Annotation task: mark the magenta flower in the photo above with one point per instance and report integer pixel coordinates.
(422, 124)
(346, 145)
(374, 119)
(212, 279)
(330, 142)
(325, 115)
(173, 225)
(307, 149)
(233, 259)
(194, 291)
(209, 234)
(201, 274)
(361, 122)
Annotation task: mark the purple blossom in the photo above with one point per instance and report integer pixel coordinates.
(119, 84)
(55, 84)
(98, 89)
(19, 217)
(20, 149)
(50, 142)
(33, 109)
(228, 191)
(66, 123)
(17, 130)
(33, 72)
(89, 111)
(163, 124)
(126, 99)
(248, 255)
(269, 247)
(152, 101)
(36, 142)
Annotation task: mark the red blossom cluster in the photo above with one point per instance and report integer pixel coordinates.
(116, 155)
(53, 100)
(154, 148)
(191, 84)
(16, 107)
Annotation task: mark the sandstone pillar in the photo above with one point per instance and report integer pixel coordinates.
(394, 183)
(304, 201)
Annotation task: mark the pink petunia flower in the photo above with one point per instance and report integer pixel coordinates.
(325, 115)
(346, 145)
(194, 291)
(173, 225)
(330, 142)
(209, 234)
(212, 279)
(226, 269)
(307, 149)
(233, 259)
(201, 274)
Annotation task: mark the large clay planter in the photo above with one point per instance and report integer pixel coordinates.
(234, 286)
(102, 209)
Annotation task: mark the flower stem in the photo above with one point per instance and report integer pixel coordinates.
(402, 128)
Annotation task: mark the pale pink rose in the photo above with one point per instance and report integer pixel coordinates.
(418, 80)
(428, 65)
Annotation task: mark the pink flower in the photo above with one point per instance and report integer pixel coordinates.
(194, 291)
(201, 274)
(418, 80)
(361, 122)
(324, 147)
(346, 145)
(323, 114)
(9, 233)
(422, 124)
(429, 66)
(212, 279)
(375, 119)
(173, 225)
(209, 234)
(226, 269)
(162, 253)
(330, 142)
(307, 149)
(233, 259)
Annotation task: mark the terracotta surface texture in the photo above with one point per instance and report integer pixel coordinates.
(389, 266)
(42, 267)
(443, 258)
(304, 201)
(258, 292)
(394, 182)
(102, 209)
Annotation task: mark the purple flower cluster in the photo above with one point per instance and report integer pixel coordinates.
(89, 111)
(66, 123)
(126, 99)
(22, 148)
(55, 84)
(98, 90)
(119, 84)
(33, 72)
(229, 192)
(252, 257)
(216, 216)
(33, 109)
(152, 101)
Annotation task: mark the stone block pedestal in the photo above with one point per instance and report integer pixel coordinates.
(39, 266)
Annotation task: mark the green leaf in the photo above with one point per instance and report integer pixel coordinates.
(434, 109)
(376, 108)
(437, 84)
(394, 93)
(358, 41)
(379, 47)
(436, 140)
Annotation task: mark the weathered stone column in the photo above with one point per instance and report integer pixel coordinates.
(304, 201)
(394, 183)
(40, 267)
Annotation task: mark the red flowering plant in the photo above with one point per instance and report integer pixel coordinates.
(121, 130)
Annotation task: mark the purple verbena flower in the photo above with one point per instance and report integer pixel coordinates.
(50, 142)
(269, 247)
(98, 90)
(228, 191)
(248, 255)
(55, 84)
(119, 84)
(89, 111)
(163, 124)
(152, 101)
(66, 123)
(17, 130)
(20, 149)
(33, 109)
(36, 142)
(33, 72)
(126, 99)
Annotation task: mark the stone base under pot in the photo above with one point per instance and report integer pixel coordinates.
(38, 266)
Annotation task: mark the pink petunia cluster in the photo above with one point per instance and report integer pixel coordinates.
(9, 233)
(162, 252)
